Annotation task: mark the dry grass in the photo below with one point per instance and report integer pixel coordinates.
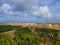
(33, 25)
(9, 33)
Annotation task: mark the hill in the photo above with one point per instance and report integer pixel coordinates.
(33, 25)
(29, 34)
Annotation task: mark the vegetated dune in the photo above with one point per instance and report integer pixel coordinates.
(9, 33)
(34, 25)
(34, 34)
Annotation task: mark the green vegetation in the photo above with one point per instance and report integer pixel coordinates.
(25, 36)
(4, 28)
(49, 35)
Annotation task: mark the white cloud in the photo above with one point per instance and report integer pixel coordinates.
(5, 8)
(41, 11)
(27, 4)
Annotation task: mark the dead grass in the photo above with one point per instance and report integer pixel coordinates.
(9, 33)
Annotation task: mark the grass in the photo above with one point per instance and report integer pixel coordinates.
(4, 28)
(24, 36)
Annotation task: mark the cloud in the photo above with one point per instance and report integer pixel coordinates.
(6, 11)
(29, 10)
(25, 8)
(24, 4)
(41, 11)
(5, 8)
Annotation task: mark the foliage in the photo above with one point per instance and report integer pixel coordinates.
(4, 28)
(24, 36)
(48, 35)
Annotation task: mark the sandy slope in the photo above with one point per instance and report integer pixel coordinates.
(33, 25)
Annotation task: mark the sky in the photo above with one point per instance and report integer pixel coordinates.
(32, 11)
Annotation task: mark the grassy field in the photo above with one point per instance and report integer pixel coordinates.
(18, 35)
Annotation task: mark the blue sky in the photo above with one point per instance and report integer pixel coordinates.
(36, 11)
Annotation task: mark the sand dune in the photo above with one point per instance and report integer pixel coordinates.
(33, 25)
